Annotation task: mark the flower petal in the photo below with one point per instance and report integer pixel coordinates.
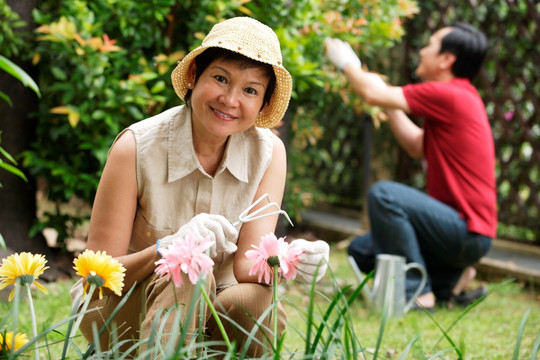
(41, 287)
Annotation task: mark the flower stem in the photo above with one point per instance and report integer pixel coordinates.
(274, 310)
(33, 315)
(17, 296)
(216, 317)
(83, 309)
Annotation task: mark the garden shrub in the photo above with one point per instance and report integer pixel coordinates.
(98, 76)
(12, 42)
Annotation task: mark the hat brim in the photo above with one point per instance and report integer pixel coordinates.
(270, 115)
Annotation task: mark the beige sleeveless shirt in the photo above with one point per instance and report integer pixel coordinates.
(173, 187)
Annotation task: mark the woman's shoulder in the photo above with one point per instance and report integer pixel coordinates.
(267, 135)
(264, 139)
(160, 121)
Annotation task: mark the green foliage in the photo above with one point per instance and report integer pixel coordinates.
(99, 76)
(12, 42)
(10, 164)
(94, 87)
(15, 71)
(12, 69)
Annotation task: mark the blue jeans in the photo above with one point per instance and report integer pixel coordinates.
(407, 222)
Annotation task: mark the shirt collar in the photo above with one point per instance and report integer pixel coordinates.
(182, 159)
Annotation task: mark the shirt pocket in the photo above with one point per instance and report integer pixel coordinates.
(144, 234)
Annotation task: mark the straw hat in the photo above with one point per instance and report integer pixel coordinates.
(254, 40)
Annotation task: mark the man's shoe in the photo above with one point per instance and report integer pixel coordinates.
(466, 298)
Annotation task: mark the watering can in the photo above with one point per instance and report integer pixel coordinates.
(389, 283)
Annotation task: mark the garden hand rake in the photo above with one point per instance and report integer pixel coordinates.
(245, 216)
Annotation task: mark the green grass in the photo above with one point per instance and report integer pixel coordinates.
(489, 331)
(50, 309)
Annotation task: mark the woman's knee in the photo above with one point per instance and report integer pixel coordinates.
(247, 300)
(247, 305)
(126, 324)
(247, 296)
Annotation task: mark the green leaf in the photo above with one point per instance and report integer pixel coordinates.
(15, 71)
(5, 97)
(13, 170)
(134, 112)
(8, 156)
(158, 87)
(58, 73)
(147, 76)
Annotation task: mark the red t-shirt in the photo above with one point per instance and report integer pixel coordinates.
(459, 150)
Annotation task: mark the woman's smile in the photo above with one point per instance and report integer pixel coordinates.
(223, 115)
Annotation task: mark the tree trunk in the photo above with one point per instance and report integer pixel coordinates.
(17, 197)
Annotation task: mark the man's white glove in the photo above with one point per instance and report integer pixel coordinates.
(340, 53)
(218, 228)
(314, 259)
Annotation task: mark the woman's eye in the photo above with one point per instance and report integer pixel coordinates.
(220, 78)
(251, 91)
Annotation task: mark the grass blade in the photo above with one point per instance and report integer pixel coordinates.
(409, 347)
(520, 334)
(535, 348)
(386, 306)
(108, 321)
(309, 319)
(445, 332)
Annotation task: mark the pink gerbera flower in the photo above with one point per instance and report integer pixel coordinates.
(186, 256)
(273, 252)
(292, 259)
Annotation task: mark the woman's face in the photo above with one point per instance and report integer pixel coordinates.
(226, 98)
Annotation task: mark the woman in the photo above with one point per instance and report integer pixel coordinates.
(195, 168)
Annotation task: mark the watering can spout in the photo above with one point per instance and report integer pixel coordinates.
(369, 294)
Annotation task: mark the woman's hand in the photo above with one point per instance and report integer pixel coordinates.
(314, 260)
(218, 228)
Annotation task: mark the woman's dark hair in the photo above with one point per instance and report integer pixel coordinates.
(469, 45)
(204, 59)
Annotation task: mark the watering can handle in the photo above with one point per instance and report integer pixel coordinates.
(420, 268)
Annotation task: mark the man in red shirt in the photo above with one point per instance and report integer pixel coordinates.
(451, 227)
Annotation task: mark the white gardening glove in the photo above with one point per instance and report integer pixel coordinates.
(314, 259)
(340, 53)
(218, 228)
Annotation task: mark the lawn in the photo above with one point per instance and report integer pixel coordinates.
(490, 330)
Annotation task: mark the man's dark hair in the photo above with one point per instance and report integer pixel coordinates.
(469, 45)
(204, 59)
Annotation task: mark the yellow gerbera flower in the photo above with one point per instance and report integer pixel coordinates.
(101, 270)
(23, 268)
(7, 343)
